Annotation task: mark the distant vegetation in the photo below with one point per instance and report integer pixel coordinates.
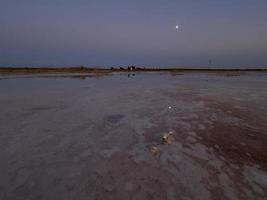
(83, 69)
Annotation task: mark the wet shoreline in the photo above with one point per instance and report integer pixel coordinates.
(101, 137)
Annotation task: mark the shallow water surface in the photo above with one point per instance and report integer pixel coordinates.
(91, 137)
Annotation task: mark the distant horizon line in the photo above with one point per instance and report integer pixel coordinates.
(125, 67)
(83, 69)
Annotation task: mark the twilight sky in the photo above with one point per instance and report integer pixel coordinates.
(231, 33)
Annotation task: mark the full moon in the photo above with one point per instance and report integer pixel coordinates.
(176, 27)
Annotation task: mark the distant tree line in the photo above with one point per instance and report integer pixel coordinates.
(129, 68)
